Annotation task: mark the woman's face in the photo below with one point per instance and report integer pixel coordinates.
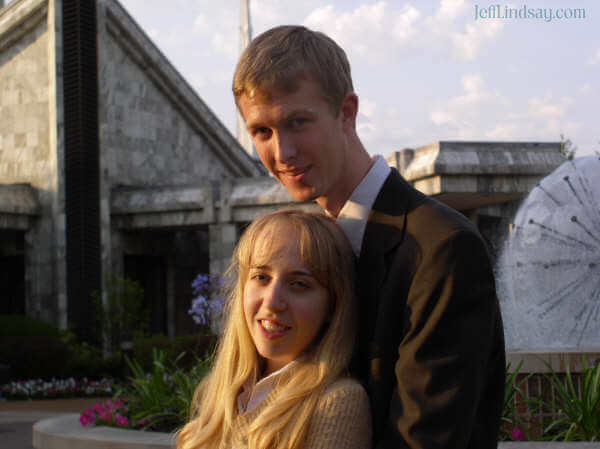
(284, 304)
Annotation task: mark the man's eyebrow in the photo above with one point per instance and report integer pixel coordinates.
(289, 115)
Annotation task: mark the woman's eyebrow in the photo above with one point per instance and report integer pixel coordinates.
(302, 273)
(260, 267)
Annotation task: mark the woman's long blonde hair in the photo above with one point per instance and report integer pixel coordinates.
(325, 251)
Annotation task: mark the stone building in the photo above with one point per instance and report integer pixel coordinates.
(94, 121)
(110, 163)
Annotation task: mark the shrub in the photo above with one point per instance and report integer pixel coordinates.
(32, 357)
(579, 411)
(122, 313)
(512, 425)
(192, 347)
(22, 325)
(160, 399)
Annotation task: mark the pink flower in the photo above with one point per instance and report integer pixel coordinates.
(122, 421)
(517, 434)
(99, 407)
(83, 419)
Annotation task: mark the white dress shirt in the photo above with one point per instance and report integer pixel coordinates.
(354, 215)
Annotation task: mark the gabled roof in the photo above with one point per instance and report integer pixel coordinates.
(130, 36)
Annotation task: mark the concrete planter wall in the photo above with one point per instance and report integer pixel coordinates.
(65, 432)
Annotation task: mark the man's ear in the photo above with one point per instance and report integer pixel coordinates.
(348, 110)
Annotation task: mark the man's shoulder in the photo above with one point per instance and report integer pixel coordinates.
(420, 214)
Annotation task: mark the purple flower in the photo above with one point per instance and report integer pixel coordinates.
(517, 434)
(205, 304)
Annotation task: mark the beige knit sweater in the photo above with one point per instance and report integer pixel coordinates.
(342, 419)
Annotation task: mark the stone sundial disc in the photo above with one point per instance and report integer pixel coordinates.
(549, 269)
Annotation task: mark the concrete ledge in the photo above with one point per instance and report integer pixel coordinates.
(536, 361)
(65, 432)
(546, 445)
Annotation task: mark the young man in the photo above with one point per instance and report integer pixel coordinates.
(430, 347)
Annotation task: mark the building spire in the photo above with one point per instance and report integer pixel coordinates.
(245, 37)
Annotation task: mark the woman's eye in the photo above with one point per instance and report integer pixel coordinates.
(302, 285)
(260, 277)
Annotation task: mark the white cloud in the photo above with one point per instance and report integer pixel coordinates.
(377, 31)
(594, 59)
(381, 129)
(201, 24)
(546, 107)
(463, 111)
(468, 44)
(449, 10)
(225, 45)
(586, 89)
(367, 108)
(484, 113)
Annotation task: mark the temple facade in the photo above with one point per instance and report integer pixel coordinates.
(111, 164)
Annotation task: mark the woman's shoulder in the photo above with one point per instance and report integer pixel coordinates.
(345, 392)
(342, 418)
(345, 385)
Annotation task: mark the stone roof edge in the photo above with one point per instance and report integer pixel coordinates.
(155, 64)
(427, 160)
(18, 18)
(19, 199)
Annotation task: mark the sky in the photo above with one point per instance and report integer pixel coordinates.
(423, 70)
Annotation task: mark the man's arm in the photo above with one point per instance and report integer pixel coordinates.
(443, 358)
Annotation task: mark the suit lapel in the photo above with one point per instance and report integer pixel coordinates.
(384, 232)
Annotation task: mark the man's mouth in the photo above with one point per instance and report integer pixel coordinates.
(296, 173)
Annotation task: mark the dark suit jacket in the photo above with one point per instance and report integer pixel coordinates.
(430, 347)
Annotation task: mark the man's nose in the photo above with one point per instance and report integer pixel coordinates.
(274, 296)
(285, 148)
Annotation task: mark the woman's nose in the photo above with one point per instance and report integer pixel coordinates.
(274, 296)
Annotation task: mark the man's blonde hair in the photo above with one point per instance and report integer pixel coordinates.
(282, 56)
(283, 424)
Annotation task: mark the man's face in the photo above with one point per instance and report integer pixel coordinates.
(301, 141)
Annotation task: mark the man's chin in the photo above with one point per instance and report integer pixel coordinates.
(302, 195)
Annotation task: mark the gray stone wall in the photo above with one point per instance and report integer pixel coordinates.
(146, 139)
(27, 153)
(24, 150)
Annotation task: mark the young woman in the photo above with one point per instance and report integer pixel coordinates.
(279, 379)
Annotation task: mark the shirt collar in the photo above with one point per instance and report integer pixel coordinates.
(250, 397)
(355, 213)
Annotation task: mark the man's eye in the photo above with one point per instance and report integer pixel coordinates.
(262, 132)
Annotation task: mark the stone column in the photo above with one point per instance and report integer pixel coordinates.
(222, 238)
(171, 307)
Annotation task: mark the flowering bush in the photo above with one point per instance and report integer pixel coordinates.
(517, 435)
(57, 388)
(109, 413)
(207, 303)
(158, 400)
